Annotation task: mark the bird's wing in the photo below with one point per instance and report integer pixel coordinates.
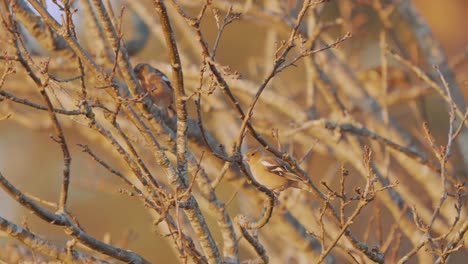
(277, 166)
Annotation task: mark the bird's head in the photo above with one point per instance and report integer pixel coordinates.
(252, 154)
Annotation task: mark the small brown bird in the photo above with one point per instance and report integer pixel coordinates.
(272, 172)
(156, 84)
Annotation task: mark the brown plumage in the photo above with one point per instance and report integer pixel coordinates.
(156, 84)
(272, 172)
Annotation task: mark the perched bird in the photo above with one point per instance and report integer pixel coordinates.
(272, 172)
(156, 84)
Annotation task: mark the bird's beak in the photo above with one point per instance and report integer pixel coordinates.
(245, 158)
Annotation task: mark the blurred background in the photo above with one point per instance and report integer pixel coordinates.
(29, 158)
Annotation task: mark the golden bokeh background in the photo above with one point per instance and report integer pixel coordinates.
(32, 161)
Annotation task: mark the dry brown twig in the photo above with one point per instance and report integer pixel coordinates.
(186, 170)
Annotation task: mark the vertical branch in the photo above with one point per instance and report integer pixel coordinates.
(63, 145)
(42, 84)
(200, 227)
(179, 90)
